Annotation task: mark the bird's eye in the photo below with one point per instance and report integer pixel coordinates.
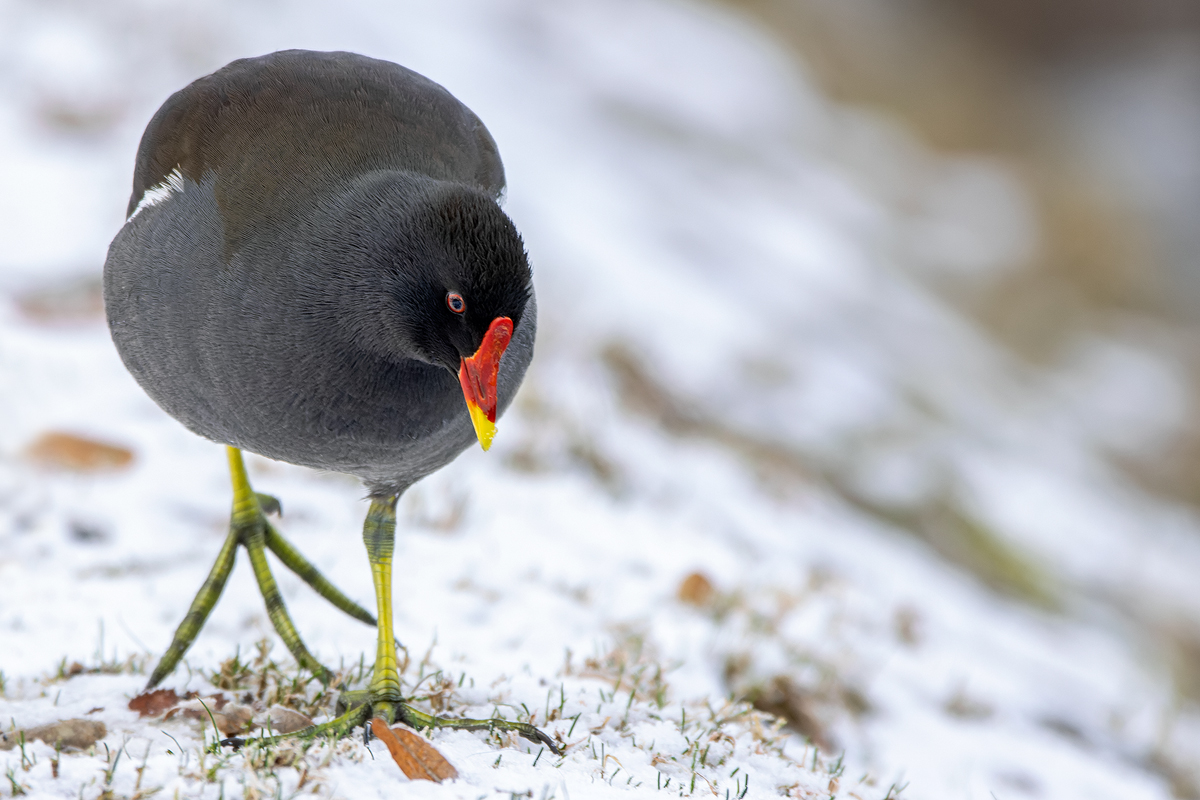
(455, 302)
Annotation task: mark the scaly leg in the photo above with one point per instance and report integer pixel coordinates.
(383, 697)
(198, 613)
(248, 527)
(277, 610)
(379, 536)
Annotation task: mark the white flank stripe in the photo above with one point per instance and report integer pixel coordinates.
(160, 192)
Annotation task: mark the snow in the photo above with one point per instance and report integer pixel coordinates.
(688, 194)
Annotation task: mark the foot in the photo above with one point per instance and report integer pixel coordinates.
(361, 706)
(358, 708)
(383, 698)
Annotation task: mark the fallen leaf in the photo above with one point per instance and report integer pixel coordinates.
(151, 704)
(907, 623)
(69, 734)
(68, 451)
(78, 300)
(230, 718)
(285, 720)
(696, 590)
(234, 719)
(798, 706)
(417, 758)
(964, 707)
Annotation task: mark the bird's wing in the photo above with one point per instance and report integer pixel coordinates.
(277, 129)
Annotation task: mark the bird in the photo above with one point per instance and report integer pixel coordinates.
(315, 267)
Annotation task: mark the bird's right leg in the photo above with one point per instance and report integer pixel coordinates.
(202, 606)
(276, 609)
(248, 526)
(383, 698)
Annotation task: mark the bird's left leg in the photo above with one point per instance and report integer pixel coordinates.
(379, 536)
(383, 697)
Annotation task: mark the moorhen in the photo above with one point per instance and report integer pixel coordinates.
(315, 268)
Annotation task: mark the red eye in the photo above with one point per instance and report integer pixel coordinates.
(455, 302)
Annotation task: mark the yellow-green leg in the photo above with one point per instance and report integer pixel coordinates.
(276, 609)
(248, 527)
(379, 536)
(383, 698)
(202, 606)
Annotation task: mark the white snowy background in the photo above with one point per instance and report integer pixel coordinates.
(915, 538)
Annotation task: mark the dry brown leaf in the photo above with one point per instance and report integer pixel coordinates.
(285, 720)
(234, 719)
(696, 590)
(69, 734)
(229, 717)
(798, 705)
(69, 451)
(71, 301)
(151, 704)
(417, 758)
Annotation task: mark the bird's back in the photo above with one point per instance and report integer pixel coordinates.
(278, 128)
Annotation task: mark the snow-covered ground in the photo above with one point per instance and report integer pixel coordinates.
(917, 547)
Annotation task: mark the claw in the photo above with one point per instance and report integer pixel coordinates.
(539, 736)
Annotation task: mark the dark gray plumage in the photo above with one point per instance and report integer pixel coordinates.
(283, 288)
(315, 268)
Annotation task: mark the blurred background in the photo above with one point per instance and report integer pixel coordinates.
(892, 305)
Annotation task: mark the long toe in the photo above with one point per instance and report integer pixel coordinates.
(202, 605)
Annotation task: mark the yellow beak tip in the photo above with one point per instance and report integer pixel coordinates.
(485, 429)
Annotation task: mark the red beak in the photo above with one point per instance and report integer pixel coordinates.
(477, 375)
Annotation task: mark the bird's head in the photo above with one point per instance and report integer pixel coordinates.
(476, 298)
(457, 282)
